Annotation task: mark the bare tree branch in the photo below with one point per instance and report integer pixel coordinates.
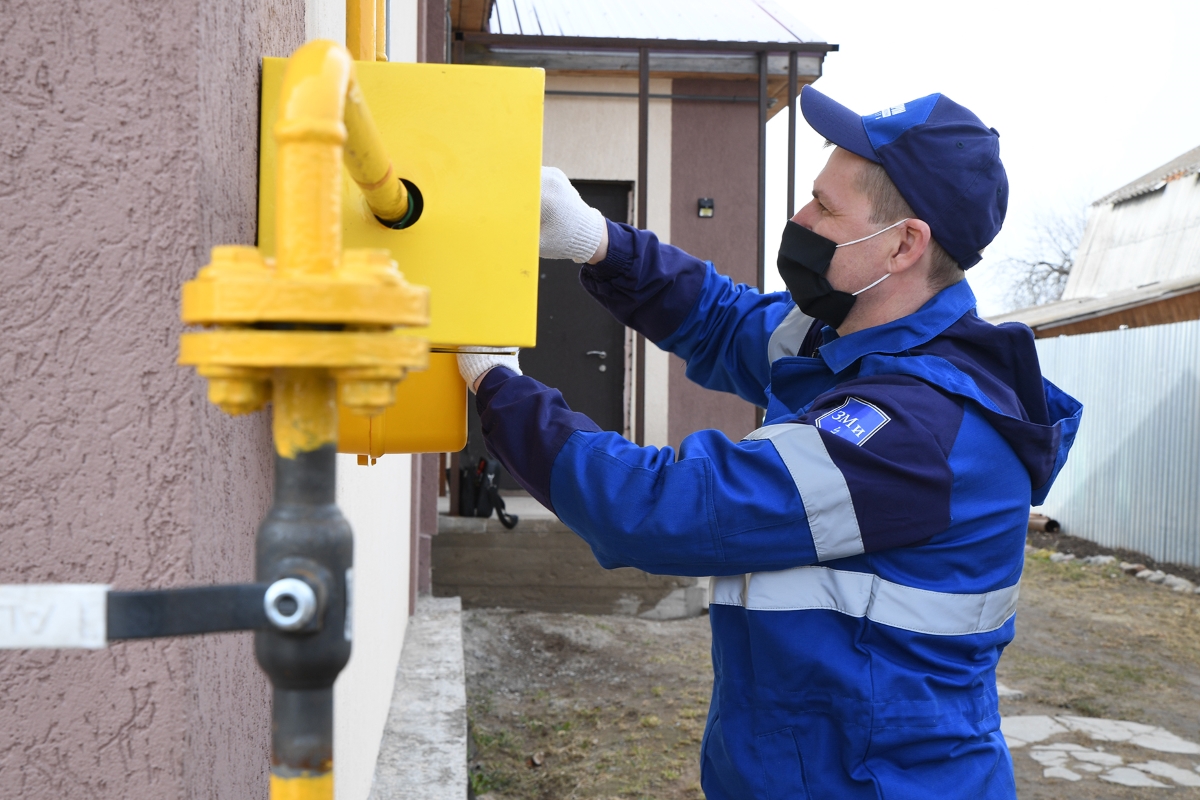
(1040, 275)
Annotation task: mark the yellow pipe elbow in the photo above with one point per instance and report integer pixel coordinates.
(368, 163)
(322, 121)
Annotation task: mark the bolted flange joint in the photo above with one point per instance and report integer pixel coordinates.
(345, 321)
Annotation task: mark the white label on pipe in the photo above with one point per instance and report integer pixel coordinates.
(53, 615)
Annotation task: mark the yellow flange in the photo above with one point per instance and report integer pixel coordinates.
(239, 286)
(238, 347)
(239, 363)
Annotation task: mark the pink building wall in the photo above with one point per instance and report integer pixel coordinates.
(127, 149)
(714, 153)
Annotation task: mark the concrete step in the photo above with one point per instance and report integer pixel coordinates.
(541, 565)
(424, 748)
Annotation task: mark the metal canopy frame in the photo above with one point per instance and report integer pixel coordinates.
(634, 45)
(643, 48)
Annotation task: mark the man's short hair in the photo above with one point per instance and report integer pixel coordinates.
(888, 206)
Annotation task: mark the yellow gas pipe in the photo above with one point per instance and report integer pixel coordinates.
(316, 322)
(366, 29)
(323, 122)
(380, 30)
(322, 117)
(302, 788)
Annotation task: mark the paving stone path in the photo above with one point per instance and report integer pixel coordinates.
(1100, 690)
(1038, 735)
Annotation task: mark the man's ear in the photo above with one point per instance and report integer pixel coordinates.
(912, 245)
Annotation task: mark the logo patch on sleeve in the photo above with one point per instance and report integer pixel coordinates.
(854, 420)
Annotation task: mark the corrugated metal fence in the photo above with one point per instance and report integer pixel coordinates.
(1133, 477)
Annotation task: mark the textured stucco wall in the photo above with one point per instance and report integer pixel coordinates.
(127, 149)
(714, 154)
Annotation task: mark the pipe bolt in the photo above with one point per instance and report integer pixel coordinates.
(290, 604)
(368, 392)
(237, 390)
(232, 261)
(368, 398)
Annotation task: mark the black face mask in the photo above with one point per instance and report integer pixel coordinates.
(804, 258)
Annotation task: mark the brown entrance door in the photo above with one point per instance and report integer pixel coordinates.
(581, 348)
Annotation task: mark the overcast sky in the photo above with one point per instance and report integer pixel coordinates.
(1087, 96)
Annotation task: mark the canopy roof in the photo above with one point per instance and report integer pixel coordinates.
(697, 20)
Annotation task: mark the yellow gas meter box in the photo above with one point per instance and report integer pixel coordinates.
(467, 141)
(429, 416)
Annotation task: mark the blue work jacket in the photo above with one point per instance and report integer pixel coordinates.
(866, 542)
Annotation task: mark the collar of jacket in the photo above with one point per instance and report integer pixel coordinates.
(943, 310)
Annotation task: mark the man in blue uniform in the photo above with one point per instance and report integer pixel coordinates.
(867, 542)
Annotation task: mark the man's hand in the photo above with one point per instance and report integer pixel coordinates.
(570, 227)
(473, 366)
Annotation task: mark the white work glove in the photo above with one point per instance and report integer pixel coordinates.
(570, 227)
(473, 366)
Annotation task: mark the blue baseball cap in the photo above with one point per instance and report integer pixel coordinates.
(942, 158)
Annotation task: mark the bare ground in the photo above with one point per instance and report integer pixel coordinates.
(570, 706)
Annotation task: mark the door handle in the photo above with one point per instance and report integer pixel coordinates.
(602, 354)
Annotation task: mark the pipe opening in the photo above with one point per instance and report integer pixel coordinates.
(1043, 524)
(416, 204)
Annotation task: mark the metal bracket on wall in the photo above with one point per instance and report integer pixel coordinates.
(91, 615)
(184, 612)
